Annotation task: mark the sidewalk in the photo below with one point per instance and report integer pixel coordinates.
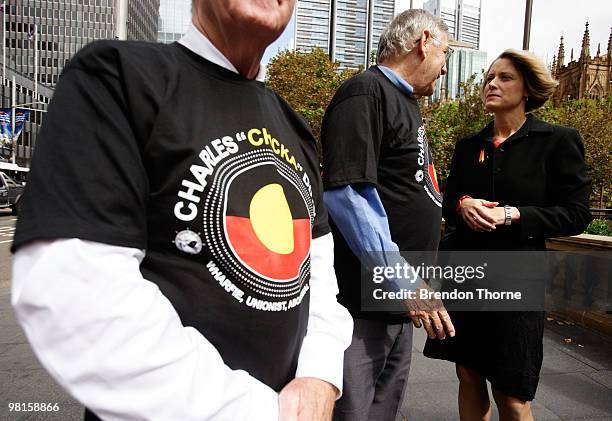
(576, 380)
(575, 383)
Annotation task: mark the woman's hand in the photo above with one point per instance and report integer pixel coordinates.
(481, 215)
(499, 214)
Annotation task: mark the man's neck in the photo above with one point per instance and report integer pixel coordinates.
(404, 67)
(243, 54)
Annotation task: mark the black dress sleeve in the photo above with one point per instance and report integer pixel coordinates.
(87, 178)
(568, 190)
(351, 136)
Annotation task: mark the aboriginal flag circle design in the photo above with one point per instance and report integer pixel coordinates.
(266, 213)
(267, 226)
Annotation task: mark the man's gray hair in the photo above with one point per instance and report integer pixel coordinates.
(400, 35)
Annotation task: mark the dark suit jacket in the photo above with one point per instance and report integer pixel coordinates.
(540, 170)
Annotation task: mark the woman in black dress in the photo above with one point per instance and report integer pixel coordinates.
(514, 184)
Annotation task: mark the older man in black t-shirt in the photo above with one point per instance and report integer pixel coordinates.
(382, 195)
(173, 259)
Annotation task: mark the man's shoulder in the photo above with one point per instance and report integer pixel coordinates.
(364, 83)
(113, 56)
(363, 87)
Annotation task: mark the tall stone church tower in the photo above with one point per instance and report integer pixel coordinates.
(588, 77)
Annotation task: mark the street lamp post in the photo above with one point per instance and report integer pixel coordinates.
(14, 139)
(3, 42)
(35, 62)
(526, 33)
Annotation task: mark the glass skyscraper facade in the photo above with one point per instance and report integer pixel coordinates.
(461, 16)
(142, 19)
(462, 65)
(64, 27)
(313, 20)
(174, 19)
(50, 33)
(346, 29)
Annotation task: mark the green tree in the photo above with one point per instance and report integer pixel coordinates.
(592, 119)
(307, 81)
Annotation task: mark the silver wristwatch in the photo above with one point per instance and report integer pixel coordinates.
(508, 214)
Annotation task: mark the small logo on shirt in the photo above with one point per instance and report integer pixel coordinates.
(426, 175)
(188, 241)
(418, 176)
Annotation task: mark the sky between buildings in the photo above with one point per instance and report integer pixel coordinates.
(503, 22)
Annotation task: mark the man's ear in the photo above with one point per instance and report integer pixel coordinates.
(424, 41)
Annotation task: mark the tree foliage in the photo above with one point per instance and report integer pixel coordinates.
(307, 81)
(591, 117)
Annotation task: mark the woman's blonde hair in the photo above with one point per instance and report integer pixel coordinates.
(539, 83)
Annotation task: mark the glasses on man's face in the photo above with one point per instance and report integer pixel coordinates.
(449, 51)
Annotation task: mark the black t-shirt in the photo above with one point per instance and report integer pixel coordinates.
(151, 146)
(373, 133)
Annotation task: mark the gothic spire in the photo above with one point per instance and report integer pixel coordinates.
(610, 44)
(598, 49)
(585, 54)
(561, 55)
(571, 55)
(553, 66)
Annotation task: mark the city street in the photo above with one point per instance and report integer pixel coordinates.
(576, 381)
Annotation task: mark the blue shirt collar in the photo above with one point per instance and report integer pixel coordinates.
(401, 84)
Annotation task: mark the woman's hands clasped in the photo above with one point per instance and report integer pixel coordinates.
(481, 215)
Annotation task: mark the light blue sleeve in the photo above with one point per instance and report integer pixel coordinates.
(360, 216)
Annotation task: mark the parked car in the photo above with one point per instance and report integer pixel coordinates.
(10, 193)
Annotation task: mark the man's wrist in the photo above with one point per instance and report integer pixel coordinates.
(323, 385)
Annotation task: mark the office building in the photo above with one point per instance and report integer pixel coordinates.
(41, 36)
(464, 63)
(174, 19)
(461, 16)
(142, 19)
(312, 27)
(348, 30)
(57, 30)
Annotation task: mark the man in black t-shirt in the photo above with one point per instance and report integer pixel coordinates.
(173, 259)
(382, 195)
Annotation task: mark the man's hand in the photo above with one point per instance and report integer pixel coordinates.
(432, 314)
(307, 399)
(437, 323)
